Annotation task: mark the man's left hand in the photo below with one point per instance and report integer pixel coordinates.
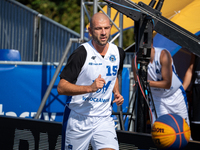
(118, 99)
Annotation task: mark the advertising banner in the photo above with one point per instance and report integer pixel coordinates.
(23, 85)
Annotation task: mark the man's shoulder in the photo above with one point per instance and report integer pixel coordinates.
(81, 49)
(160, 49)
(79, 53)
(120, 49)
(165, 52)
(121, 52)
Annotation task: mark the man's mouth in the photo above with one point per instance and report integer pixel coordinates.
(103, 38)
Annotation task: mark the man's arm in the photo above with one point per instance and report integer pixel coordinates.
(188, 75)
(134, 66)
(166, 71)
(118, 98)
(116, 86)
(66, 88)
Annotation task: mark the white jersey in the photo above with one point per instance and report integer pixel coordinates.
(154, 74)
(97, 103)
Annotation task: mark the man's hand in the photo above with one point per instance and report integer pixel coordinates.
(118, 99)
(97, 84)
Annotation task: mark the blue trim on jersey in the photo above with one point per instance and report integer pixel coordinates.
(69, 98)
(181, 88)
(185, 96)
(64, 125)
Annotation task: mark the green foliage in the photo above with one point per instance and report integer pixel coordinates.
(64, 12)
(128, 38)
(68, 13)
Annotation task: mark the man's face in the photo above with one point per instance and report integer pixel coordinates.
(100, 31)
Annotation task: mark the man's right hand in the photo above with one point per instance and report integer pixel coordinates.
(98, 84)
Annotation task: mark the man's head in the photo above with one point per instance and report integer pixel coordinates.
(100, 28)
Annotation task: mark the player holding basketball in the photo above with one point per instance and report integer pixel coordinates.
(166, 88)
(90, 77)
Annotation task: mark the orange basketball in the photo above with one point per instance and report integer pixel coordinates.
(170, 131)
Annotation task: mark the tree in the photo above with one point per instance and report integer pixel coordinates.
(68, 13)
(64, 12)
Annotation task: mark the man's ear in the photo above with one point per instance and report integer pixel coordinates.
(90, 31)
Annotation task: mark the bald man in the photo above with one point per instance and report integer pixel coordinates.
(88, 79)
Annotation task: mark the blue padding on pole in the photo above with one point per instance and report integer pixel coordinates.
(125, 88)
(125, 92)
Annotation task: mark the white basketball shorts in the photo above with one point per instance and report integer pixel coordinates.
(83, 130)
(174, 104)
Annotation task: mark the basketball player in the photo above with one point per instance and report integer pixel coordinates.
(192, 75)
(90, 77)
(166, 88)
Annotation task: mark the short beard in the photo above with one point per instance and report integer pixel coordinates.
(98, 42)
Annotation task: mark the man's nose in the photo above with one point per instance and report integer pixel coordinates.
(103, 31)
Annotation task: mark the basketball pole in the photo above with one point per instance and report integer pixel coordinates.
(46, 95)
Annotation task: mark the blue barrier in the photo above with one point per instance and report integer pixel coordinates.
(23, 86)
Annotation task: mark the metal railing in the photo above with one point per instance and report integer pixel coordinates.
(37, 37)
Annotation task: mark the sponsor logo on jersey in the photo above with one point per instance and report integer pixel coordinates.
(91, 63)
(112, 58)
(93, 57)
(69, 147)
(94, 63)
(104, 88)
(94, 99)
